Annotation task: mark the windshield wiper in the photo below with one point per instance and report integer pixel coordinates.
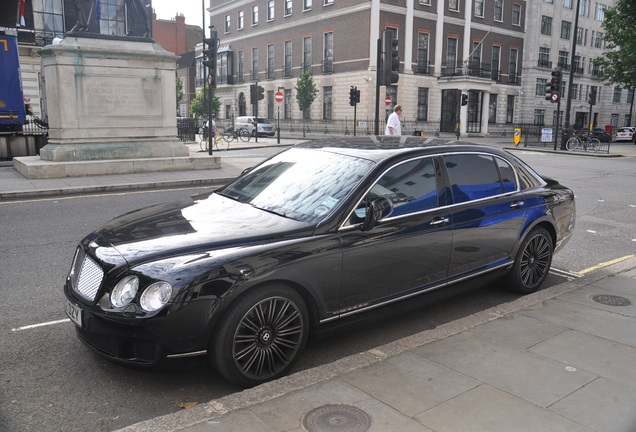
(271, 211)
(226, 195)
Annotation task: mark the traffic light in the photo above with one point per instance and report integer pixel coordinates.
(260, 93)
(210, 46)
(357, 95)
(464, 99)
(555, 86)
(593, 96)
(252, 94)
(548, 91)
(352, 96)
(391, 60)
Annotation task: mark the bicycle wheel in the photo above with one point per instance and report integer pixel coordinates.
(244, 135)
(228, 135)
(593, 145)
(572, 144)
(220, 143)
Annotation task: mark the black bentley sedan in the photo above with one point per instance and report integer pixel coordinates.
(319, 233)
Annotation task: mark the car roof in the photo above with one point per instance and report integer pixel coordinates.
(378, 148)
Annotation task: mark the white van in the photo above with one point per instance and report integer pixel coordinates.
(248, 123)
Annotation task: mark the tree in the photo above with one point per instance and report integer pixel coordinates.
(179, 86)
(199, 109)
(306, 92)
(618, 63)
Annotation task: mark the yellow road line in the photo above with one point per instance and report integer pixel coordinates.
(603, 265)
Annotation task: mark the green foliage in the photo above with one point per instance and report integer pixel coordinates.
(179, 90)
(618, 63)
(197, 107)
(306, 91)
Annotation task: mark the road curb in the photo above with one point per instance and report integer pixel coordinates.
(303, 379)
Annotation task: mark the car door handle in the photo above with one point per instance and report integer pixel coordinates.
(439, 221)
(517, 204)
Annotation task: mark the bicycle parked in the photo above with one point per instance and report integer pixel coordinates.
(231, 134)
(584, 141)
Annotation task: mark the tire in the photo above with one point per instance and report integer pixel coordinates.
(244, 135)
(228, 136)
(593, 145)
(532, 262)
(260, 336)
(572, 144)
(221, 143)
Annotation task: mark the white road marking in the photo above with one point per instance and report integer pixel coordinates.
(590, 231)
(32, 326)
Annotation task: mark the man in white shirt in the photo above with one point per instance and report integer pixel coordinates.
(393, 126)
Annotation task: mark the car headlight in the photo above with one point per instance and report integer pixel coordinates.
(155, 296)
(125, 291)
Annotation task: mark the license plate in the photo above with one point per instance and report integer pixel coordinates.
(74, 313)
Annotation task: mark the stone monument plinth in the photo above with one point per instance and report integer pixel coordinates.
(109, 99)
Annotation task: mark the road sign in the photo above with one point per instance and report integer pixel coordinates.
(517, 136)
(555, 97)
(387, 100)
(278, 97)
(210, 79)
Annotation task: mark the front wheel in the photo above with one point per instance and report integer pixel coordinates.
(593, 145)
(572, 144)
(221, 143)
(260, 336)
(532, 262)
(244, 135)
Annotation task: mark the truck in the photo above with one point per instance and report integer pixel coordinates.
(12, 109)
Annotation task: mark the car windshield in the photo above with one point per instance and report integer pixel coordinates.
(302, 184)
(262, 120)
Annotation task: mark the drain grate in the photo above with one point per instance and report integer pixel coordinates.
(611, 300)
(337, 418)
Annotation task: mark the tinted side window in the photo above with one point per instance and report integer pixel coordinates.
(411, 186)
(507, 174)
(472, 176)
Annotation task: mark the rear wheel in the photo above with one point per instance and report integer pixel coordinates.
(244, 135)
(593, 145)
(532, 262)
(261, 335)
(572, 144)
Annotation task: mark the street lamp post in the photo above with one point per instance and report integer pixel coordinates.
(568, 103)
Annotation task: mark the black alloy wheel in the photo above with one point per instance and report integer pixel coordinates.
(261, 336)
(532, 263)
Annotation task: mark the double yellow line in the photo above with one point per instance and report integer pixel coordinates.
(604, 264)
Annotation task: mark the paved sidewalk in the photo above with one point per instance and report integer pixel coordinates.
(561, 359)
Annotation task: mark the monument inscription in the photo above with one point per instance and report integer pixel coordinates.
(120, 96)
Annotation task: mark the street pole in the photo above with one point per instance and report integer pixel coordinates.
(568, 103)
(378, 75)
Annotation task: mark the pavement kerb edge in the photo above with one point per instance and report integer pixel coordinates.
(303, 379)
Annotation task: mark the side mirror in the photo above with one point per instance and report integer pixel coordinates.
(378, 210)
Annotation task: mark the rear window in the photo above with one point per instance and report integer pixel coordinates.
(477, 176)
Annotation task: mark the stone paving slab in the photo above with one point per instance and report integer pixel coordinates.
(534, 378)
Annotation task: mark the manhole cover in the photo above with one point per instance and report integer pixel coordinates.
(337, 418)
(611, 300)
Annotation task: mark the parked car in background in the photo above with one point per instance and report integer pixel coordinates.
(249, 123)
(625, 134)
(320, 235)
(597, 133)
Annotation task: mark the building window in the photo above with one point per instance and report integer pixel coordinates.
(241, 67)
(566, 28)
(327, 61)
(228, 21)
(425, 2)
(48, 20)
(630, 97)
(540, 87)
(617, 95)
(270, 10)
(597, 40)
(288, 104)
(512, 66)
(287, 73)
(328, 2)
(254, 15)
(494, 62)
(582, 8)
(510, 109)
(254, 63)
(479, 8)
(451, 54)
(112, 18)
(567, 4)
(578, 64)
(544, 58)
(240, 22)
(576, 93)
(600, 12)
(422, 104)
(548, 1)
(422, 53)
(539, 117)
(453, 5)
(306, 53)
(306, 4)
(498, 10)
(492, 109)
(579, 36)
(546, 25)
(288, 7)
(326, 103)
(270, 62)
(516, 14)
(563, 60)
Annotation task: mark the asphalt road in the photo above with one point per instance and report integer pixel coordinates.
(50, 382)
